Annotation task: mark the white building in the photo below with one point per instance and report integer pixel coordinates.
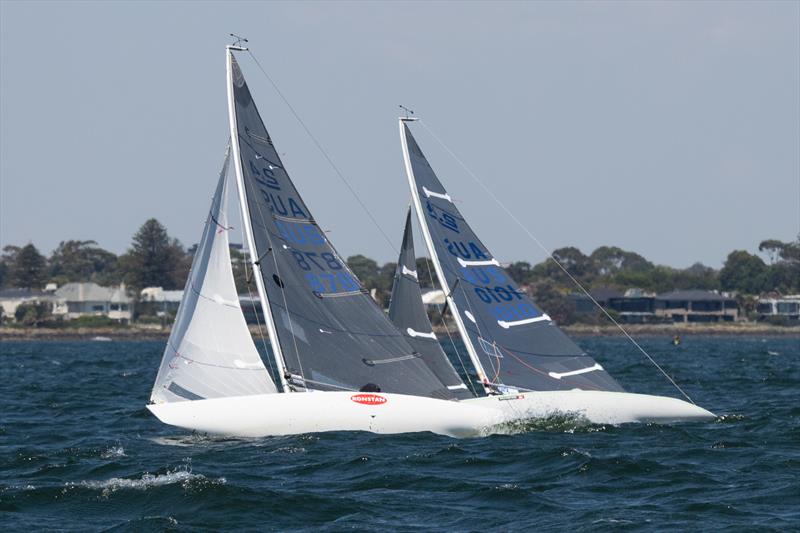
(87, 299)
(786, 306)
(162, 301)
(11, 299)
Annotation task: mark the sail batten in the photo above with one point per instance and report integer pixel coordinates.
(330, 332)
(513, 344)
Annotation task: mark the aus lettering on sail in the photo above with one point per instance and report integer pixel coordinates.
(267, 175)
(505, 302)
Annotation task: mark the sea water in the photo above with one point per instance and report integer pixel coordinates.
(79, 451)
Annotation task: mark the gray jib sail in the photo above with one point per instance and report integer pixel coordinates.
(407, 312)
(332, 333)
(516, 342)
(210, 352)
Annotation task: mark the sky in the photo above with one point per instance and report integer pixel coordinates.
(668, 128)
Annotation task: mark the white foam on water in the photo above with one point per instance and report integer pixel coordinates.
(112, 452)
(145, 482)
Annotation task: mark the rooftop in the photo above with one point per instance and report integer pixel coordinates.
(693, 295)
(92, 292)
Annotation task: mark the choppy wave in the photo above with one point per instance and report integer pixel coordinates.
(147, 481)
(77, 461)
(560, 423)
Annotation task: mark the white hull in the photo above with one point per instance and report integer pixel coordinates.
(298, 413)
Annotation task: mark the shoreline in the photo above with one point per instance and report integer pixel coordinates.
(151, 333)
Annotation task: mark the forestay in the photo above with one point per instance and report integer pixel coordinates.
(331, 333)
(513, 342)
(407, 312)
(210, 353)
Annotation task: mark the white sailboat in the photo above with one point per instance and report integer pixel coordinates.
(341, 363)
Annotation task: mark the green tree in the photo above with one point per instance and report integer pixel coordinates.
(82, 261)
(612, 259)
(520, 271)
(791, 251)
(553, 302)
(33, 314)
(154, 259)
(365, 269)
(783, 276)
(3, 272)
(242, 273)
(743, 272)
(28, 268)
(425, 273)
(573, 260)
(773, 248)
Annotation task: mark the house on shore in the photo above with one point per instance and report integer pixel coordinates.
(160, 301)
(11, 299)
(90, 299)
(787, 307)
(696, 306)
(638, 307)
(633, 306)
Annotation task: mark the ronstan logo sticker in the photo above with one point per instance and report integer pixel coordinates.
(368, 399)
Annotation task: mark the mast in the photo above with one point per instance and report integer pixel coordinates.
(473, 356)
(248, 229)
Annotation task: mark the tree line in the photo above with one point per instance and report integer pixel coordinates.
(154, 258)
(611, 267)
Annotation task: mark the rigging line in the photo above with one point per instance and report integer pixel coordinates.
(478, 327)
(449, 336)
(282, 289)
(258, 321)
(248, 280)
(323, 152)
(550, 255)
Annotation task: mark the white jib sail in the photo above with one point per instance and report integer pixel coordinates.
(210, 353)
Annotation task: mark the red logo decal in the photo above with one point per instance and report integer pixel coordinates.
(368, 399)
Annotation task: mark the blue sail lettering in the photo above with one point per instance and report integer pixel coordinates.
(457, 249)
(299, 234)
(477, 251)
(445, 219)
(483, 295)
(327, 283)
(267, 179)
(497, 274)
(511, 312)
(296, 210)
(503, 293)
(468, 250)
(275, 203)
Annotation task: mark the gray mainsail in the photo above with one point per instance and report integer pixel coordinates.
(210, 353)
(331, 334)
(407, 312)
(513, 343)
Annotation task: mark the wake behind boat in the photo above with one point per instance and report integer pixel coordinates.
(341, 363)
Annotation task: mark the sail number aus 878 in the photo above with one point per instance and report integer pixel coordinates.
(316, 264)
(324, 281)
